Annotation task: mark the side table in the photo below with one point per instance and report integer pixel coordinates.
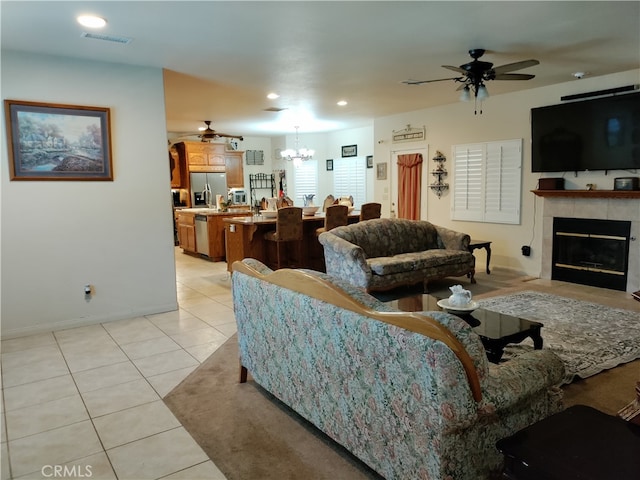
(473, 244)
(578, 443)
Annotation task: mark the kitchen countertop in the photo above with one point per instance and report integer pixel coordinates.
(212, 211)
(259, 219)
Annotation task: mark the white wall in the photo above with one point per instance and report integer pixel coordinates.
(116, 236)
(325, 145)
(504, 117)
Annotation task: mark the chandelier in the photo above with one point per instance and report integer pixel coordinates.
(298, 155)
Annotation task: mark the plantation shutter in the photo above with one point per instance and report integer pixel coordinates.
(306, 180)
(467, 182)
(487, 182)
(349, 178)
(503, 182)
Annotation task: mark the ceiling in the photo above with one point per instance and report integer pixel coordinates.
(222, 58)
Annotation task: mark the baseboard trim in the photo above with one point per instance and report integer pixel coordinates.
(83, 322)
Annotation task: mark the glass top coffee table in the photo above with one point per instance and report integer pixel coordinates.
(496, 330)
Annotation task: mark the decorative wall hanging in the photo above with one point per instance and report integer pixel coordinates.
(58, 142)
(381, 171)
(409, 135)
(350, 151)
(438, 186)
(330, 164)
(369, 161)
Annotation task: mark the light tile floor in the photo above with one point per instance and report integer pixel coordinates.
(87, 402)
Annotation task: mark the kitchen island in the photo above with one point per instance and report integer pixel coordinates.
(245, 239)
(212, 237)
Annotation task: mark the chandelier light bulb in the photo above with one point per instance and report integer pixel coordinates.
(297, 155)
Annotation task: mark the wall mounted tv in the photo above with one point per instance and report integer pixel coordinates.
(595, 134)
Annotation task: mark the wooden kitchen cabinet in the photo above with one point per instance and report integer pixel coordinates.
(178, 166)
(203, 156)
(187, 232)
(215, 228)
(235, 172)
(209, 157)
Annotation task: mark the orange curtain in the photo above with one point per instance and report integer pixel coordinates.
(409, 182)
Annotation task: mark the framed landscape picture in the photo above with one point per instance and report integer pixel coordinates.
(58, 142)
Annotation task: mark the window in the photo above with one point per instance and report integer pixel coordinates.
(305, 177)
(487, 182)
(349, 178)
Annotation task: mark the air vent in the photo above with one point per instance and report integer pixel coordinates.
(107, 38)
(274, 109)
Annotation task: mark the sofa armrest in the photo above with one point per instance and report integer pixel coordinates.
(452, 240)
(345, 260)
(524, 376)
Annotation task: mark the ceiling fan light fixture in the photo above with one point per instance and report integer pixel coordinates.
(482, 93)
(465, 95)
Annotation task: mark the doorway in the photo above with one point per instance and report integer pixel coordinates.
(393, 175)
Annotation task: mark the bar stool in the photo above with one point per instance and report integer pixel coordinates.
(288, 229)
(328, 202)
(370, 210)
(335, 216)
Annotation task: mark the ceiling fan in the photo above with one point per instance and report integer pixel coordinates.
(475, 73)
(207, 134)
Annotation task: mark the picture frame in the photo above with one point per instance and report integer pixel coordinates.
(381, 171)
(369, 161)
(329, 165)
(350, 150)
(48, 141)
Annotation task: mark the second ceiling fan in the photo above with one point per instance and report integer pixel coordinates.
(207, 134)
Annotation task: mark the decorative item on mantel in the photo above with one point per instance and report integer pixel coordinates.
(438, 186)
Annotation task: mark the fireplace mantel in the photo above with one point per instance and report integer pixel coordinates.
(588, 193)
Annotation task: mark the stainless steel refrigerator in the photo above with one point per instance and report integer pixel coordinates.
(216, 183)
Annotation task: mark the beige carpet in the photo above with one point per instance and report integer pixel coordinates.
(249, 435)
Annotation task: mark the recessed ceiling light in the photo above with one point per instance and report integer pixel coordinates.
(342, 103)
(91, 21)
(273, 96)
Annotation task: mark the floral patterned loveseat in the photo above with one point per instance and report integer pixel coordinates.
(385, 253)
(412, 395)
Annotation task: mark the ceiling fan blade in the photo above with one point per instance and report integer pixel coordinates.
(513, 76)
(228, 135)
(420, 82)
(455, 69)
(510, 67)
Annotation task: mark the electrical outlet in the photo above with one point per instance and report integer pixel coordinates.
(526, 250)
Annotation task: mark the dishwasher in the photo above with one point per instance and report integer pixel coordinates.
(202, 235)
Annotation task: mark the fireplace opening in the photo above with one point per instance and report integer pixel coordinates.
(591, 252)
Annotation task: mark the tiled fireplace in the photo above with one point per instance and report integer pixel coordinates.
(592, 207)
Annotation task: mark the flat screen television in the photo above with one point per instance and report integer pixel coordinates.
(595, 134)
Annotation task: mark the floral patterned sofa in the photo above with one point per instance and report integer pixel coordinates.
(385, 253)
(412, 396)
